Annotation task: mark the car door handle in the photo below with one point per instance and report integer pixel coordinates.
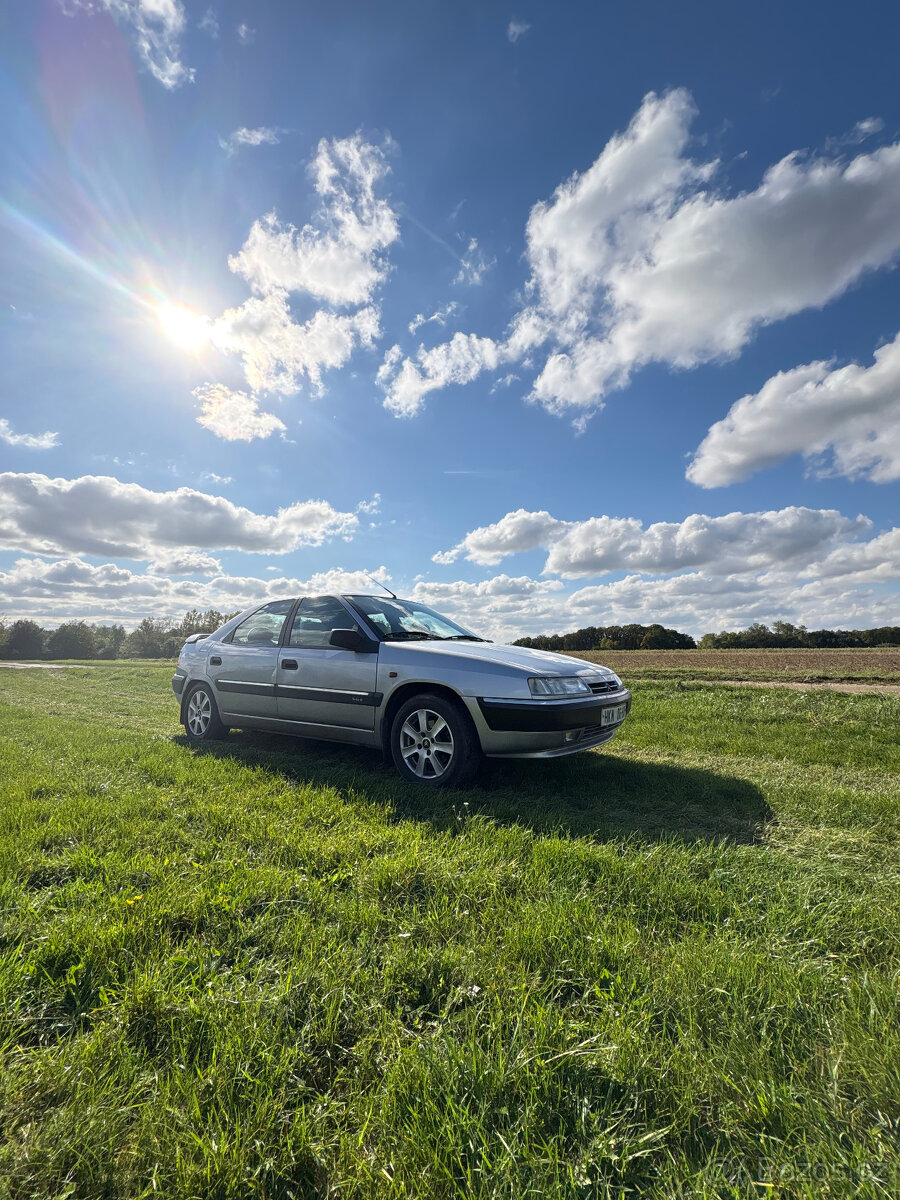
(215, 661)
(289, 664)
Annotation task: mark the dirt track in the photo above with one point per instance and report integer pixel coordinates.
(885, 689)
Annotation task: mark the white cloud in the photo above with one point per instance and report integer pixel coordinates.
(639, 259)
(278, 353)
(860, 562)
(103, 516)
(245, 33)
(439, 317)
(370, 507)
(70, 588)
(187, 562)
(263, 136)
(157, 26)
(234, 416)
(473, 266)
(340, 259)
(409, 381)
(859, 133)
(516, 29)
(725, 545)
(29, 441)
(516, 533)
(852, 411)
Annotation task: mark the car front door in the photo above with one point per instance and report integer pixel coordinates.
(243, 668)
(320, 684)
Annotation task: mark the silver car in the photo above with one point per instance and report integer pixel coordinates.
(397, 676)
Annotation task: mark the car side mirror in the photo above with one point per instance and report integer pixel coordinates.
(351, 639)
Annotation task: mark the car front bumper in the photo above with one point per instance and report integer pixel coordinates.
(548, 728)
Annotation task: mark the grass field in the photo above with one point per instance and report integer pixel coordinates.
(270, 969)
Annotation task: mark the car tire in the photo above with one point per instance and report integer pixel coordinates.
(434, 742)
(202, 722)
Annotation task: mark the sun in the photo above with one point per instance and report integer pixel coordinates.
(183, 326)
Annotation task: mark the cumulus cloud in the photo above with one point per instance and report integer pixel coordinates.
(187, 562)
(409, 381)
(338, 261)
(340, 258)
(278, 353)
(851, 412)
(29, 441)
(70, 588)
(101, 515)
(234, 416)
(601, 545)
(516, 533)
(645, 257)
(263, 136)
(156, 26)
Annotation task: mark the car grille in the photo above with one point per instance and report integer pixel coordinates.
(601, 686)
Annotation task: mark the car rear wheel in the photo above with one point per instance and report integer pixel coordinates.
(202, 722)
(433, 742)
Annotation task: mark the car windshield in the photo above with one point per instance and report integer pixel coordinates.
(401, 620)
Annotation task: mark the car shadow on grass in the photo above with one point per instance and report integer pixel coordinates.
(600, 796)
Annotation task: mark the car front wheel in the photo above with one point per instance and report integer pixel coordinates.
(433, 742)
(202, 722)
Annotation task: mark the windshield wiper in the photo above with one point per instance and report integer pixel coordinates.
(463, 637)
(406, 633)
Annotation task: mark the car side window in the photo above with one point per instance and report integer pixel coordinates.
(264, 627)
(314, 621)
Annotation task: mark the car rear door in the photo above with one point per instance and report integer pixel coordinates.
(323, 685)
(243, 668)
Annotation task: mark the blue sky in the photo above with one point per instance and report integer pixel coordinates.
(553, 315)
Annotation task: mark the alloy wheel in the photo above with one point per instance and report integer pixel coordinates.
(199, 712)
(426, 743)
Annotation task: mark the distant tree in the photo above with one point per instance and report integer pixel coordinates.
(152, 639)
(109, 639)
(72, 640)
(613, 637)
(195, 621)
(658, 638)
(25, 640)
(783, 635)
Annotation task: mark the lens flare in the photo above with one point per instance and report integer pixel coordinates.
(183, 326)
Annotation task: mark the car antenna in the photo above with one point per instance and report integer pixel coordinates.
(378, 583)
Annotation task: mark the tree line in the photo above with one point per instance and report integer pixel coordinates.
(781, 636)
(612, 637)
(155, 637)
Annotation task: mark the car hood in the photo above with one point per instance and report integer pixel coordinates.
(533, 662)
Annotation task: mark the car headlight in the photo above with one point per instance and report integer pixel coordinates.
(566, 685)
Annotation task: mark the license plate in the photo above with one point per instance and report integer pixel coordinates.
(613, 716)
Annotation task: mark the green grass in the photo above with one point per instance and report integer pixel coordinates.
(271, 969)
